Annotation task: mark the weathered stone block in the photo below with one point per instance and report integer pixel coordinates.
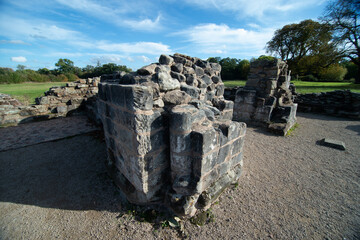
(165, 59)
(204, 140)
(192, 91)
(138, 97)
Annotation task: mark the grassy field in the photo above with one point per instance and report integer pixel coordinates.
(309, 87)
(27, 92)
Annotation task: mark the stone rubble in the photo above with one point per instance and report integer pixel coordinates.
(169, 133)
(57, 102)
(266, 99)
(342, 103)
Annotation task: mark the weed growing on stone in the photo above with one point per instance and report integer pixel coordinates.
(203, 218)
(291, 130)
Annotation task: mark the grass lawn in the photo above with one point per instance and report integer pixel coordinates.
(234, 83)
(27, 92)
(316, 87)
(309, 87)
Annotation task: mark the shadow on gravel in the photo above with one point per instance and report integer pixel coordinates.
(355, 128)
(66, 174)
(324, 117)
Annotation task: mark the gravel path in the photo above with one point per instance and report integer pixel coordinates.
(38, 132)
(291, 188)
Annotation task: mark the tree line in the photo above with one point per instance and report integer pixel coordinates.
(65, 71)
(328, 50)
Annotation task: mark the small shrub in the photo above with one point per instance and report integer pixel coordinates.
(309, 78)
(334, 73)
(71, 77)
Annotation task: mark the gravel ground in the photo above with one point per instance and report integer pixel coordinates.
(291, 188)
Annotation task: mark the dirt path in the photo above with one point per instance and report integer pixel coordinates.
(291, 188)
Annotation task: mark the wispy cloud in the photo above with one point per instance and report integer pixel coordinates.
(256, 8)
(106, 58)
(17, 42)
(19, 59)
(118, 13)
(221, 39)
(146, 24)
(12, 27)
(134, 48)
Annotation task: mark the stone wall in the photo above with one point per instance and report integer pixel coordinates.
(266, 98)
(342, 103)
(57, 102)
(169, 133)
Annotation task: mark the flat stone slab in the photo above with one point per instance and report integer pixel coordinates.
(333, 143)
(38, 132)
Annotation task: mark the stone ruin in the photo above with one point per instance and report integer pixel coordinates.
(170, 135)
(266, 100)
(57, 102)
(340, 103)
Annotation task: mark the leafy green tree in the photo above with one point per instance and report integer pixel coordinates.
(308, 39)
(20, 67)
(214, 59)
(65, 65)
(229, 68)
(44, 71)
(243, 69)
(352, 69)
(344, 17)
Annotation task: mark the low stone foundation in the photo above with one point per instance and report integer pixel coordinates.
(57, 102)
(342, 103)
(169, 133)
(266, 99)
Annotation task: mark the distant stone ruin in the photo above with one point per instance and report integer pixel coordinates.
(266, 99)
(169, 133)
(57, 102)
(341, 103)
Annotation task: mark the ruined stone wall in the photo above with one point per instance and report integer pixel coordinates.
(266, 98)
(169, 133)
(57, 102)
(338, 103)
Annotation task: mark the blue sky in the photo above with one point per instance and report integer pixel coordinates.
(36, 33)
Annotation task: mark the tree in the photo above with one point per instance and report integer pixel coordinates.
(214, 59)
(243, 69)
(295, 42)
(44, 71)
(344, 16)
(20, 67)
(229, 68)
(65, 66)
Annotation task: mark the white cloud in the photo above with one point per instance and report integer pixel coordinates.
(19, 42)
(146, 24)
(134, 48)
(106, 58)
(145, 59)
(212, 38)
(256, 8)
(35, 29)
(117, 12)
(19, 59)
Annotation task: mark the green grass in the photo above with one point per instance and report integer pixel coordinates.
(316, 87)
(309, 87)
(27, 92)
(234, 83)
